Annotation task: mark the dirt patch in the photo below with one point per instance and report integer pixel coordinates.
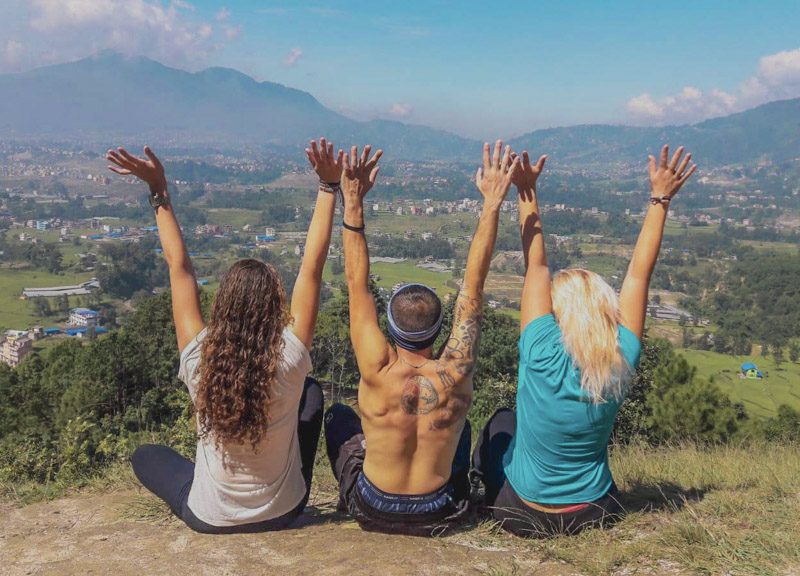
(129, 533)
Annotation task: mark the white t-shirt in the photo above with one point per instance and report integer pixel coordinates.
(252, 485)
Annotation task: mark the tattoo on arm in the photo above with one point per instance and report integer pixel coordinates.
(461, 350)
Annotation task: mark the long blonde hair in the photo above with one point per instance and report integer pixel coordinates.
(587, 311)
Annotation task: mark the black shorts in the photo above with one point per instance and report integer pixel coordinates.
(377, 511)
(510, 510)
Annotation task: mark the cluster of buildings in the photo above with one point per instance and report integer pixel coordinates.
(97, 229)
(15, 345)
(213, 230)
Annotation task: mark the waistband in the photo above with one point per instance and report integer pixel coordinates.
(403, 503)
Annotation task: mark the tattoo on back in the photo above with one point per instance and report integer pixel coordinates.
(419, 396)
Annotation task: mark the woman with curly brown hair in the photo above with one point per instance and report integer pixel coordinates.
(258, 415)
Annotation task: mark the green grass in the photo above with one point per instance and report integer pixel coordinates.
(390, 274)
(450, 225)
(781, 247)
(674, 228)
(761, 397)
(236, 217)
(18, 314)
(721, 510)
(690, 510)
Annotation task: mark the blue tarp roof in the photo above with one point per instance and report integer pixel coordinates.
(749, 366)
(83, 330)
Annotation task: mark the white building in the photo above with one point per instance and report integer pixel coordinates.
(83, 317)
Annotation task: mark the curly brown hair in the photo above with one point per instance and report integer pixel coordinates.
(241, 353)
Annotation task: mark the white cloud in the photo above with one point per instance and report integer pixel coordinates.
(232, 32)
(400, 110)
(777, 77)
(293, 57)
(166, 30)
(13, 52)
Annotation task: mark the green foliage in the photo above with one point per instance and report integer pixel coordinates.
(760, 304)
(276, 214)
(493, 394)
(86, 405)
(131, 268)
(785, 426)
(397, 247)
(684, 406)
(45, 256)
(633, 419)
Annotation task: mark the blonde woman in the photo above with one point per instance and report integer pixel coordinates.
(545, 468)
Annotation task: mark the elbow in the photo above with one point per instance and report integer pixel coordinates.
(179, 262)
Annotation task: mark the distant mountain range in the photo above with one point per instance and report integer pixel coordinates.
(114, 98)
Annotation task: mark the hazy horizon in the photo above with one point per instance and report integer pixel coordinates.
(453, 66)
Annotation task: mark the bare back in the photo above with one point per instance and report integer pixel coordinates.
(413, 417)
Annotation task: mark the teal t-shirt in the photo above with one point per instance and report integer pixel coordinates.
(559, 453)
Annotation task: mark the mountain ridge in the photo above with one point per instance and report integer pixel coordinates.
(111, 97)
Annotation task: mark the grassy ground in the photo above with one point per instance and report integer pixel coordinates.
(691, 510)
(18, 314)
(390, 274)
(235, 217)
(761, 397)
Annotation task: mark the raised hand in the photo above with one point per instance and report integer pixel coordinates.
(494, 177)
(359, 173)
(525, 178)
(327, 166)
(148, 169)
(667, 177)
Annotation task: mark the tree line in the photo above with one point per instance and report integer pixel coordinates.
(68, 413)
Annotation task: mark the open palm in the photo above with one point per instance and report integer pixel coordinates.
(359, 173)
(148, 169)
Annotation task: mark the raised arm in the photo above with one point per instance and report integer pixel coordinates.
(666, 178)
(536, 300)
(305, 298)
(493, 180)
(185, 297)
(369, 344)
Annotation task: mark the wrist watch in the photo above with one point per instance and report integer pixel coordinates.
(157, 200)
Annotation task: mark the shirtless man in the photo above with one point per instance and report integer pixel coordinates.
(413, 404)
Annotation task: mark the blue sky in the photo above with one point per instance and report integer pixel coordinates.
(475, 68)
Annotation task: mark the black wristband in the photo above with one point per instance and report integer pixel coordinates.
(660, 200)
(353, 228)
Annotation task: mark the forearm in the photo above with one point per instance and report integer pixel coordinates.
(356, 252)
(531, 231)
(319, 236)
(169, 232)
(480, 251)
(648, 245)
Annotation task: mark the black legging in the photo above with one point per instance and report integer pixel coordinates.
(169, 475)
(505, 504)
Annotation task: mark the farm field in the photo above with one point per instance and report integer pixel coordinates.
(761, 397)
(236, 217)
(17, 314)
